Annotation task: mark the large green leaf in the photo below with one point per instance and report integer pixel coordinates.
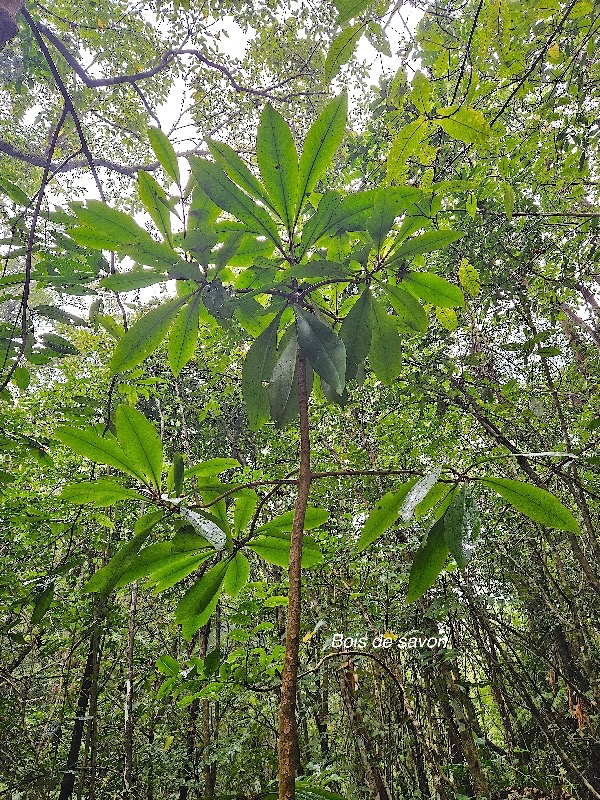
(117, 226)
(227, 196)
(283, 385)
(164, 152)
(140, 440)
(198, 599)
(105, 579)
(461, 527)
(385, 355)
(341, 50)
(322, 140)
(407, 141)
(237, 170)
(335, 215)
(136, 279)
(256, 372)
(237, 574)
(433, 289)
(325, 351)
(145, 335)
(276, 550)
(428, 562)
(384, 514)
(356, 332)
(389, 204)
(183, 336)
(283, 523)
(537, 504)
(278, 163)
(410, 312)
(100, 450)
(464, 123)
(246, 501)
(155, 201)
(425, 243)
(102, 492)
(350, 9)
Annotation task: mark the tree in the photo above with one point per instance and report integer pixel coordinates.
(335, 287)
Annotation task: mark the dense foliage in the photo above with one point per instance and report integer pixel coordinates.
(299, 419)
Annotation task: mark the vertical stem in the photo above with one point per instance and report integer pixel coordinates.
(128, 736)
(288, 733)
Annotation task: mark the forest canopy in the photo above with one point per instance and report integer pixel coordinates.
(299, 411)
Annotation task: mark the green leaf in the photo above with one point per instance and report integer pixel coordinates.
(410, 312)
(335, 215)
(100, 450)
(278, 163)
(164, 152)
(227, 196)
(428, 562)
(322, 141)
(325, 351)
(465, 124)
(341, 50)
(174, 569)
(276, 550)
(389, 204)
(537, 504)
(21, 378)
(155, 201)
(237, 574)
(433, 289)
(168, 665)
(59, 344)
(136, 279)
(256, 371)
(212, 467)
(110, 223)
(237, 170)
(140, 440)
(175, 476)
(350, 9)
(246, 501)
(407, 141)
(355, 333)
(102, 492)
(469, 278)
(447, 318)
(106, 578)
(183, 336)
(425, 243)
(145, 335)
(418, 493)
(283, 523)
(42, 603)
(461, 527)
(420, 96)
(385, 355)
(198, 599)
(384, 514)
(283, 385)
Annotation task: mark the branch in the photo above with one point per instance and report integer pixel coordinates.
(68, 166)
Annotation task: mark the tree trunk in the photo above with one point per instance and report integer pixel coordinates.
(128, 734)
(68, 782)
(288, 733)
(8, 20)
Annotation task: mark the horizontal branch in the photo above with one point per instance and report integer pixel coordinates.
(71, 165)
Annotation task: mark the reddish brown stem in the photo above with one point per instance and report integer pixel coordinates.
(288, 734)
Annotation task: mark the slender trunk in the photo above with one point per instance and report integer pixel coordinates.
(68, 782)
(364, 744)
(288, 734)
(128, 734)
